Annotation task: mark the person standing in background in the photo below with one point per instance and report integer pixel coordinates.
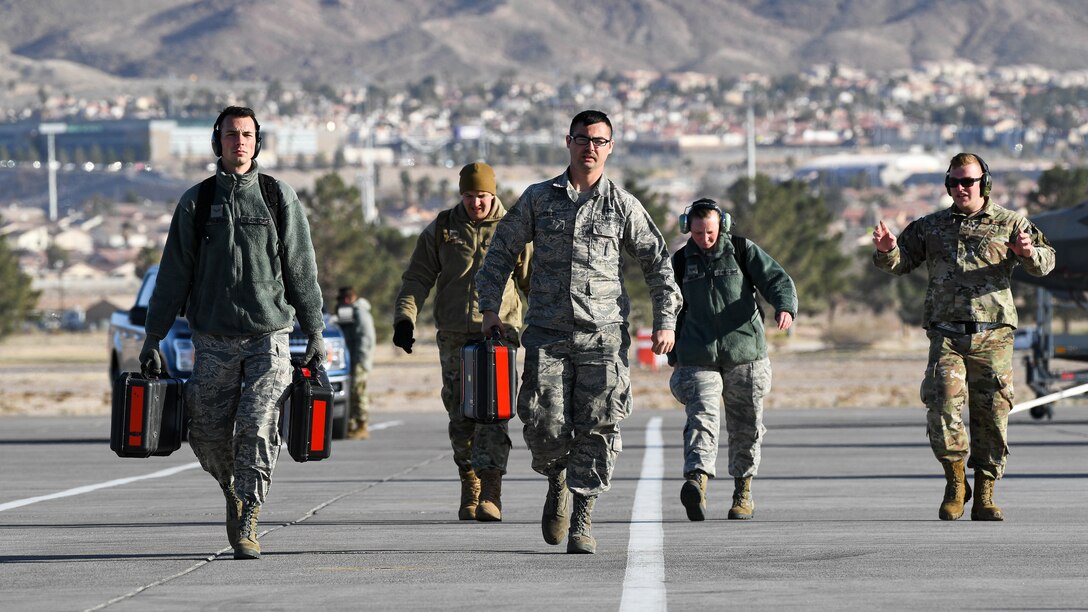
(355, 320)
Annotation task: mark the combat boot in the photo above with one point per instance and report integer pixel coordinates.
(743, 504)
(470, 495)
(556, 518)
(234, 513)
(247, 547)
(490, 505)
(580, 538)
(956, 491)
(359, 432)
(693, 495)
(984, 508)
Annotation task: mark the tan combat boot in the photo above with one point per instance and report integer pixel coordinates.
(743, 504)
(580, 538)
(359, 432)
(490, 506)
(234, 513)
(984, 508)
(556, 517)
(693, 495)
(247, 547)
(956, 491)
(470, 496)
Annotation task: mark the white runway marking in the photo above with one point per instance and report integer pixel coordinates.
(123, 481)
(644, 583)
(94, 487)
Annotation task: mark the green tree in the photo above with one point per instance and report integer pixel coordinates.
(145, 258)
(57, 256)
(1059, 188)
(881, 291)
(792, 226)
(406, 187)
(17, 298)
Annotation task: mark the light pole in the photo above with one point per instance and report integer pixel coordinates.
(51, 130)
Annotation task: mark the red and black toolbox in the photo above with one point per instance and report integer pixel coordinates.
(148, 415)
(307, 414)
(489, 380)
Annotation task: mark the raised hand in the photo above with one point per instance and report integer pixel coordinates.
(1020, 243)
(883, 238)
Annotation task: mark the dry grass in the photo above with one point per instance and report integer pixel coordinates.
(66, 374)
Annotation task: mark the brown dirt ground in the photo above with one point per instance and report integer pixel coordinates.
(66, 374)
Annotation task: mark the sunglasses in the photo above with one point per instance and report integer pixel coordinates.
(965, 182)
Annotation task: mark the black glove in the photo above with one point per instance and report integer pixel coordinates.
(152, 362)
(315, 352)
(402, 335)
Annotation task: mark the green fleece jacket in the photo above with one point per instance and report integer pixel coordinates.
(239, 285)
(447, 255)
(719, 324)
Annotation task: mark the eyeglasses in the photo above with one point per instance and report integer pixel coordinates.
(582, 140)
(965, 182)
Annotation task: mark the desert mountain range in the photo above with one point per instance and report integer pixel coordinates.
(76, 44)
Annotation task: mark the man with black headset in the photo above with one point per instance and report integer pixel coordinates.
(721, 351)
(239, 259)
(969, 250)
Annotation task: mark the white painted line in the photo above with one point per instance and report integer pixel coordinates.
(123, 481)
(384, 425)
(94, 487)
(1046, 399)
(644, 582)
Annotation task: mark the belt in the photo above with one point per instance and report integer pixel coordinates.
(965, 327)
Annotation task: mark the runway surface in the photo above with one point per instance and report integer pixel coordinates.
(846, 518)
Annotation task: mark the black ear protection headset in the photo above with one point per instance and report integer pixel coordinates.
(217, 132)
(985, 185)
(704, 204)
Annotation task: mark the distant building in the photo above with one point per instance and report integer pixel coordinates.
(861, 171)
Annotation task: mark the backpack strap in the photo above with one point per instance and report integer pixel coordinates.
(740, 253)
(273, 199)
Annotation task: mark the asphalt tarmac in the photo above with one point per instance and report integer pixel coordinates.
(846, 518)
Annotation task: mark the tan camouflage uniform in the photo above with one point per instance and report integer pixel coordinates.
(359, 336)
(576, 387)
(970, 268)
(447, 255)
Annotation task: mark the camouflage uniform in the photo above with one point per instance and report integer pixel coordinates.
(476, 446)
(970, 270)
(701, 389)
(241, 300)
(447, 255)
(359, 336)
(236, 435)
(721, 350)
(576, 387)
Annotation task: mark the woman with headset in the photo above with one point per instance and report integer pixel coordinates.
(721, 351)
